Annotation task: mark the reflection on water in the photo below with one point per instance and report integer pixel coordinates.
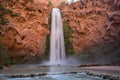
(78, 76)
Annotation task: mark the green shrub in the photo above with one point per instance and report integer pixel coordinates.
(85, 55)
(50, 3)
(15, 15)
(63, 3)
(3, 12)
(4, 55)
(8, 0)
(115, 56)
(47, 47)
(4, 21)
(100, 53)
(67, 35)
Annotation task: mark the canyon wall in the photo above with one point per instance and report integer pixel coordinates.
(25, 34)
(95, 26)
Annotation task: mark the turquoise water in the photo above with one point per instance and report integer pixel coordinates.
(77, 76)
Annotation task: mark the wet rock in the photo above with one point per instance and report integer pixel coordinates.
(1, 67)
(72, 72)
(105, 77)
(42, 74)
(32, 75)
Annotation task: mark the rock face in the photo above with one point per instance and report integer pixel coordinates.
(95, 25)
(26, 33)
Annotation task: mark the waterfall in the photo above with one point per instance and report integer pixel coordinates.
(57, 48)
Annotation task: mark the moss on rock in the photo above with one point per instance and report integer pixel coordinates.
(4, 55)
(67, 35)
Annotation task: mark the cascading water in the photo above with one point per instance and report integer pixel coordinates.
(57, 48)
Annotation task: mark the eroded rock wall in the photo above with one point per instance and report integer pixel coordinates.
(95, 25)
(25, 34)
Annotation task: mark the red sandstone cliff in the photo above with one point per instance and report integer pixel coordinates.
(26, 33)
(95, 26)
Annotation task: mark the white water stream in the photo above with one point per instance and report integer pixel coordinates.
(57, 47)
